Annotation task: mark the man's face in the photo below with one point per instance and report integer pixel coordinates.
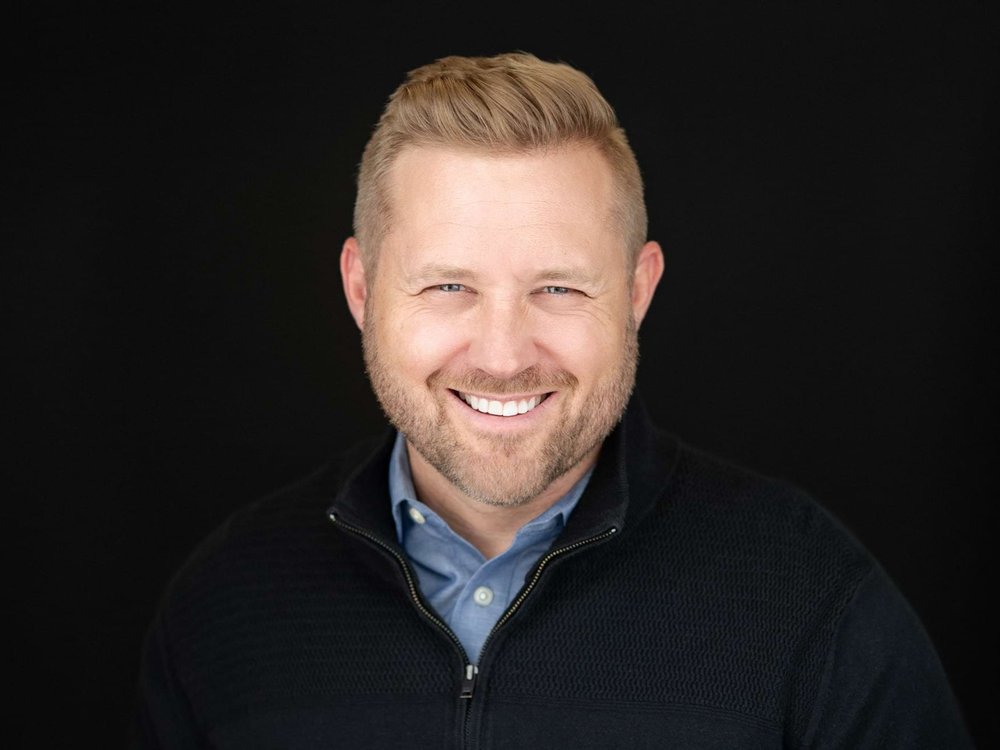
(499, 331)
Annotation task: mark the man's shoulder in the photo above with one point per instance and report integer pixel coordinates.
(725, 485)
(281, 528)
(752, 516)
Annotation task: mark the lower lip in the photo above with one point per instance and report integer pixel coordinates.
(495, 422)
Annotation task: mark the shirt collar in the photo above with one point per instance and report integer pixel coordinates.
(401, 490)
(633, 472)
(403, 496)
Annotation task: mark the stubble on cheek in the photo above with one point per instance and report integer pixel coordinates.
(499, 469)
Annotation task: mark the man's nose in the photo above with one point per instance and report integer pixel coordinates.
(503, 340)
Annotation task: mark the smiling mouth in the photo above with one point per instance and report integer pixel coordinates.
(510, 408)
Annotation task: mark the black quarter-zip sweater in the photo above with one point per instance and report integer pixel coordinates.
(687, 604)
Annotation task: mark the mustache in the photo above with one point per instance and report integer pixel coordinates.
(530, 380)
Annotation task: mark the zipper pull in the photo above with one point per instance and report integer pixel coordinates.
(469, 681)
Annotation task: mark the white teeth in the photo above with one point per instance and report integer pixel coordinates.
(501, 408)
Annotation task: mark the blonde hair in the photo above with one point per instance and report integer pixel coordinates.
(511, 103)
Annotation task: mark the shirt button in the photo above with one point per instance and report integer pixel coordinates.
(482, 596)
(417, 516)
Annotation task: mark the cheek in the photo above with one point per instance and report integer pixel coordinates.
(583, 348)
(423, 344)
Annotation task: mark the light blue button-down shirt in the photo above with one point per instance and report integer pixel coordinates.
(467, 590)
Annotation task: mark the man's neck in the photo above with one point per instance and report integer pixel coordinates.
(489, 528)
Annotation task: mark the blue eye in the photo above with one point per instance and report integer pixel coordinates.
(450, 287)
(556, 289)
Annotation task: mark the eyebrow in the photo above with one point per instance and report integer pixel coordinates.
(571, 275)
(435, 271)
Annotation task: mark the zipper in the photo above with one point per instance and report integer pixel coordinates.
(538, 574)
(471, 671)
(469, 681)
(411, 584)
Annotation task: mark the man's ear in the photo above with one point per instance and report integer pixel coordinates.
(352, 273)
(648, 270)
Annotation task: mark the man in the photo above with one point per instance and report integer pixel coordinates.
(526, 561)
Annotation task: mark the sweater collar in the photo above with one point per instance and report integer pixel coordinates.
(633, 469)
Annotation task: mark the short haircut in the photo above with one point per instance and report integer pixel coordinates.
(508, 104)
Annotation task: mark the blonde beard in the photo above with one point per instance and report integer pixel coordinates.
(508, 475)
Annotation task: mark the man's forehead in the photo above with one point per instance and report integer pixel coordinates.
(556, 196)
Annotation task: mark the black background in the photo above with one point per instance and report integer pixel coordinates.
(823, 179)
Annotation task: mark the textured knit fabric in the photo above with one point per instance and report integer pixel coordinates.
(467, 590)
(686, 604)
